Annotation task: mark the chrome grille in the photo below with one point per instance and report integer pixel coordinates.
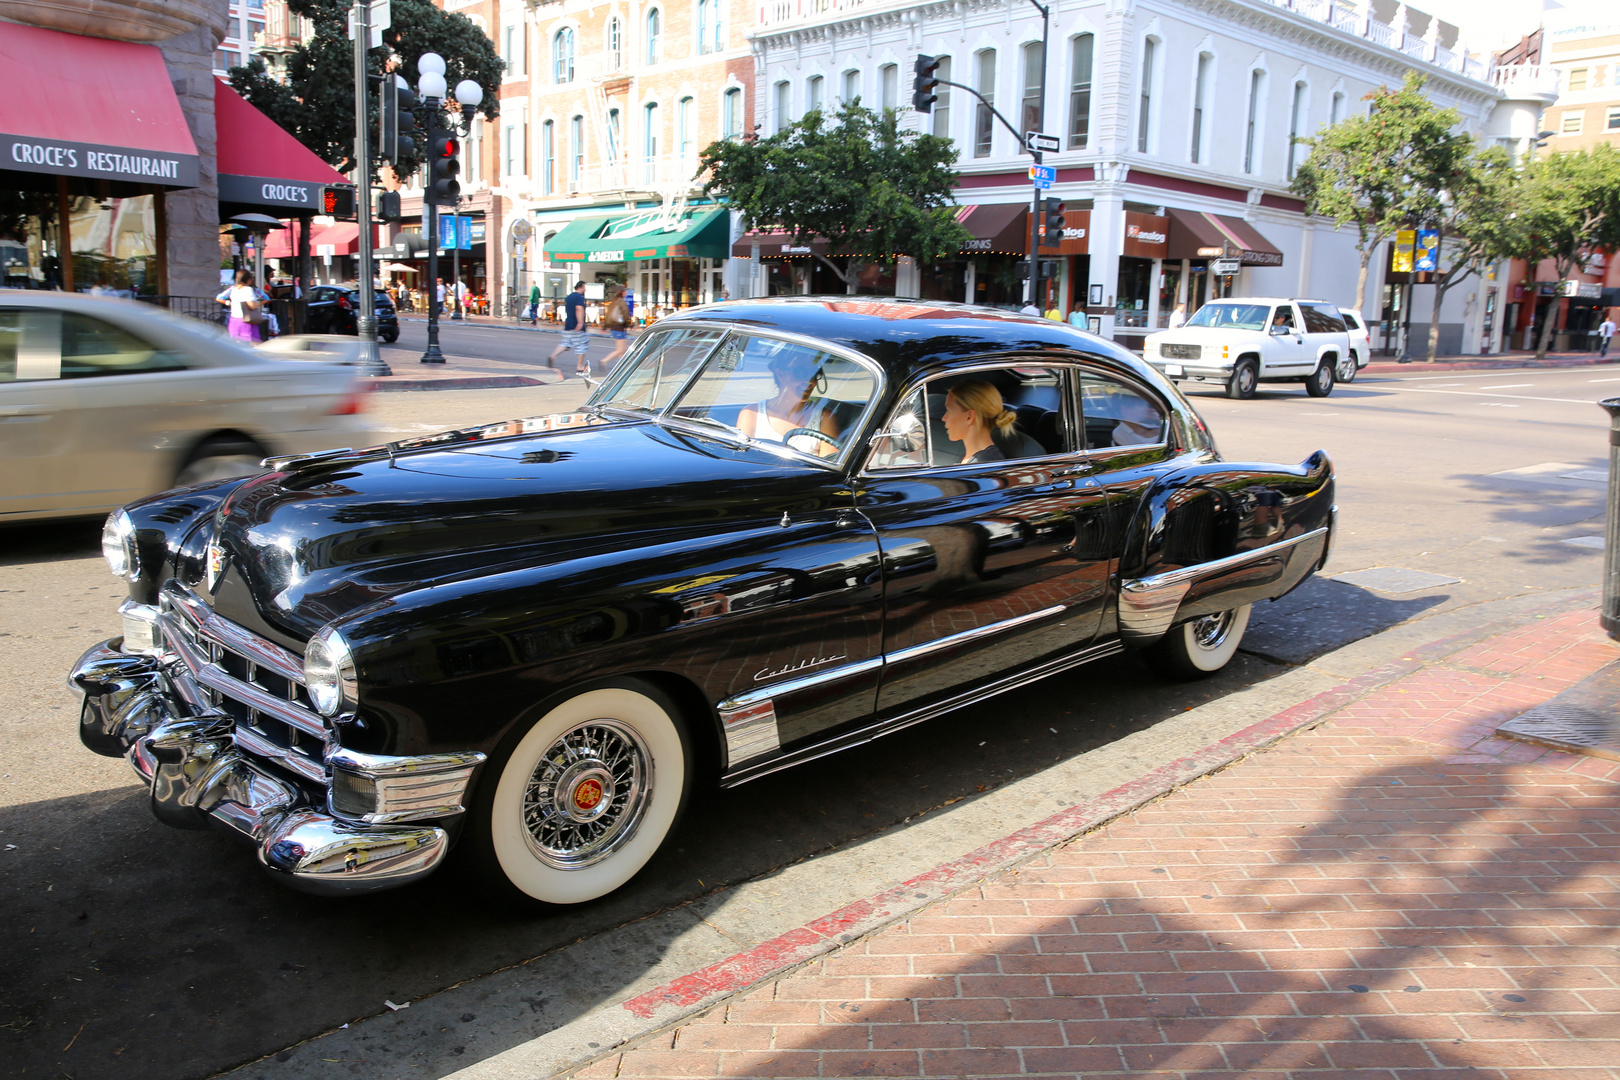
(1181, 352)
(256, 682)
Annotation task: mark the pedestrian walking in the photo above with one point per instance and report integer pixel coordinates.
(575, 337)
(534, 304)
(247, 310)
(1605, 333)
(438, 303)
(617, 320)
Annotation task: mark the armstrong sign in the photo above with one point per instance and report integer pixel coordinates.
(56, 157)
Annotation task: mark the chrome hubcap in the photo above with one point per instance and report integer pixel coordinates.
(587, 794)
(1210, 631)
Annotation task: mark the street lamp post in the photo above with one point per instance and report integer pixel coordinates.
(431, 88)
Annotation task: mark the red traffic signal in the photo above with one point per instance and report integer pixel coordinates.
(338, 202)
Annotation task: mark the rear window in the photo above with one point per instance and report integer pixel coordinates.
(1321, 319)
(1350, 320)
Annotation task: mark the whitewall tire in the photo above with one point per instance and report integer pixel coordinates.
(1202, 646)
(588, 795)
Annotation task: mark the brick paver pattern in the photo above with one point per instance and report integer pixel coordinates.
(1394, 894)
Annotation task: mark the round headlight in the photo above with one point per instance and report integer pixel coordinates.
(329, 673)
(118, 546)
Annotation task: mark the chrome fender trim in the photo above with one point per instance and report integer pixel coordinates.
(1148, 605)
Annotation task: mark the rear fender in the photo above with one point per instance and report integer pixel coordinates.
(1221, 535)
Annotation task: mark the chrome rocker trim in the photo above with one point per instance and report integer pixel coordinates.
(204, 770)
(1148, 605)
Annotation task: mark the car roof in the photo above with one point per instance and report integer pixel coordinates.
(1272, 300)
(904, 334)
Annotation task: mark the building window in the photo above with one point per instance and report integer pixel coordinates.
(1572, 122)
(812, 93)
(514, 41)
(1033, 110)
(1336, 112)
(613, 136)
(1257, 81)
(889, 86)
(225, 59)
(615, 45)
(474, 155)
(509, 150)
(711, 29)
(1145, 109)
(562, 52)
(685, 133)
(782, 106)
(851, 87)
(1080, 90)
(1614, 118)
(731, 121)
(983, 129)
(1200, 96)
(576, 151)
(655, 25)
(548, 157)
(942, 102)
(1294, 120)
(1577, 79)
(649, 143)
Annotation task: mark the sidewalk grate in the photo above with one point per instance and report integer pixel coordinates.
(1581, 720)
(1395, 579)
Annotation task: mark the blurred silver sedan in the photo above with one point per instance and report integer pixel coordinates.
(103, 401)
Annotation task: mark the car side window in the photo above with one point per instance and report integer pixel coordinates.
(1320, 319)
(1283, 316)
(91, 347)
(1020, 408)
(1117, 414)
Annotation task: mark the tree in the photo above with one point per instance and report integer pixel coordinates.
(1475, 221)
(317, 103)
(1569, 207)
(1383, 171)
(870, 188)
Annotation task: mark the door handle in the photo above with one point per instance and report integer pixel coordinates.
(1058, 485)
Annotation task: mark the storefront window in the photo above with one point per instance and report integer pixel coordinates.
(1169, 284)
(114, 245)
(1131, 303)
(29, 241)
(945, 280)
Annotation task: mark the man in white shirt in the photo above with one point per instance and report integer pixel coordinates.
(1605, 333)
(1030, 309)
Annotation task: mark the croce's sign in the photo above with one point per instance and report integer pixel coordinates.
(57, 158)
(270, 191)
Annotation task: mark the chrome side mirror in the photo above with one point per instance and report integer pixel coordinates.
(904, 433)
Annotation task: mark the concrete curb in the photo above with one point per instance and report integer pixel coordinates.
(469, 382)
(1508, 361)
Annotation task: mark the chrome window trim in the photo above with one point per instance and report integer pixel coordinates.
(1165, 407)
(1067, 364)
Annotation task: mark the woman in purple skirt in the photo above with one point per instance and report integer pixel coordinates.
(247, 311)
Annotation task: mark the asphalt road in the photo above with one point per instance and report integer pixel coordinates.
(136, 950)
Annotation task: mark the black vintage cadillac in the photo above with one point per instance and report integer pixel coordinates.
(778, 529)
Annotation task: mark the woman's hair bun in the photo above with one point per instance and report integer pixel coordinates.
(1006, 419)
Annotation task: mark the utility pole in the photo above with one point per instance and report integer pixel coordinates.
(371, 362)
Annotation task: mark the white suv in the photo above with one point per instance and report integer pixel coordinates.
(1243, 342)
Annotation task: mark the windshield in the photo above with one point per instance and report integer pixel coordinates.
(1232, 316)
(749, 388)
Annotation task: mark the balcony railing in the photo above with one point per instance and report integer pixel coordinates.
(1533, 79)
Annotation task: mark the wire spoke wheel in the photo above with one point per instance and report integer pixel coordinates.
(587, 795)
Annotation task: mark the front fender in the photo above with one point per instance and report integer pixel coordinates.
(1221, 535)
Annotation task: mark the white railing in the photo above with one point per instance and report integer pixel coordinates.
(1526, 79)
(666, 172)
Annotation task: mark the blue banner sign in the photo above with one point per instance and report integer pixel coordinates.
(1426, 256)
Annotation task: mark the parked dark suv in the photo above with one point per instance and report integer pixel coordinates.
(333, 309)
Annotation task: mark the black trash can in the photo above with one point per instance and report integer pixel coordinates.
(1611, 533)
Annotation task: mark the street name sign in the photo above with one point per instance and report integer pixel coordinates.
(1043, 175)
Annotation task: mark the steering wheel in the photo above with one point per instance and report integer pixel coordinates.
(813, 433)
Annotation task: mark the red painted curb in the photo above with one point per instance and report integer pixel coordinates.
(796, 947)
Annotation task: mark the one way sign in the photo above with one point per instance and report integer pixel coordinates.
(1041, 144)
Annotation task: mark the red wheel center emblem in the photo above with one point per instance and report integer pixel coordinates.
(588, 794)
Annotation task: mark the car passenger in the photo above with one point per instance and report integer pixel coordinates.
(976, 417)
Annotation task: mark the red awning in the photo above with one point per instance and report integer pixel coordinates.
(283, 243)
(84, 106)
(343, 237)
(775, 245)
(1198, 235)
(997, 227)
(260, 164)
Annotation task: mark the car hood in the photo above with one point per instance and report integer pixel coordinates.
(320, 539)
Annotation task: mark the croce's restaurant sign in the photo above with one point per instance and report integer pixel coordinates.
(55, 158)
(270, 191)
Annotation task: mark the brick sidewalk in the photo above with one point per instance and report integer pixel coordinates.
(1393, 893)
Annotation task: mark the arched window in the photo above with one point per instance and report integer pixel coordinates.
(1144, 114)
(1080, 50)
(942, 103)
(731, 119)
(711, 27)
(576, 151)
(983, 126)
(613, 136)
(1257, 88)
(812, 92)
(852, 87)
(1034, 109)
(649, 139)
(1336, 112)
(548, 158)
(783, 107)
(562, 56)
(1200, 105)
(889, 86)
(655, 26)
(1295, 119)
(685, 135)
(615, 44)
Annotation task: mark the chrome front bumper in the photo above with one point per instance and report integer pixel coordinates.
(151, 711)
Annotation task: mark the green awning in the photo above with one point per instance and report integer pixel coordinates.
(702, 233)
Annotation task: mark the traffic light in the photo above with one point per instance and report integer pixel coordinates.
(339, 202)
(398, 121)
(924, 83)
(443, 148)
(388, 206)
(1052, 220)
